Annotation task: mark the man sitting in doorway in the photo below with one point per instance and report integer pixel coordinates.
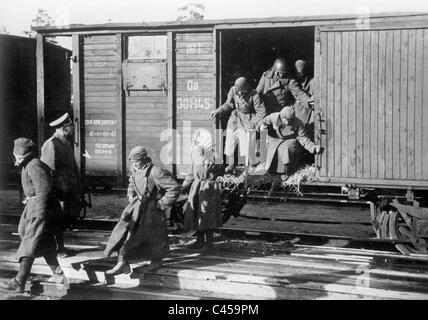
(246, 111)
(286, 136)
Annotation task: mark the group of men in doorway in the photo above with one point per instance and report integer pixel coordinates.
(280, 104)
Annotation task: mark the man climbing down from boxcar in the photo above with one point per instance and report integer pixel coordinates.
(36, 223)
(304, 111)
(278, 90)
(142, 226)
(58, 154)
(246, 110)
(203, 210)
(286, 135)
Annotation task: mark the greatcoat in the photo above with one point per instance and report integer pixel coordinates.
(285, 141)
(36, 223)
(142, 227)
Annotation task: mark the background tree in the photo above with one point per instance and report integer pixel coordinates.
(42, 19)
(192, 11)
(3, 30)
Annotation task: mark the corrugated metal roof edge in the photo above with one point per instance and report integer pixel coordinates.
(207, 23)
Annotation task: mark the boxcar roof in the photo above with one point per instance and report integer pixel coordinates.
(81, 28)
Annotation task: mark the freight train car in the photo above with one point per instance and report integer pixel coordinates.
(156, 83)
(18, 93)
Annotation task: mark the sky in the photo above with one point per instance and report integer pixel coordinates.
(16, 16)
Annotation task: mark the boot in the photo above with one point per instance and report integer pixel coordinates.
(122, 265)
(199, 243)
(231, 166)
(58, 275)
(13, 285)
(209, 237)
(18, 284)
(155, 264)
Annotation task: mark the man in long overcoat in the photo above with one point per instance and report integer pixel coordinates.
(35, 225)
(279, 90)
(246, 110)
(58, 154)
(286, 135)
(142, 224)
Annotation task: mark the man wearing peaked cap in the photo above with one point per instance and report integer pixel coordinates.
(142, 226)
(58, 154)
(35, 225)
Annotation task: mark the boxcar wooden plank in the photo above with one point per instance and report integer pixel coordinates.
(374, 94)
(194, 63)
(359, 82)
(186, 76)
(366, 125)
(323, 99)
(100, 64)
(100, 82)
(381, 105)
(100, 46)
(99, 93)
(419, 78)
(344, 103)
(352, 155)
(330, 104)
(93, 105)
(403, 103)
(98, 76)
(87, 59)
(96, 52)
(195, 56)
(100, 39)
(410, 92)
(100, 70)
(102, 99)
(425, 110)
(396, 77)
(193, 37)
(336, 99)
(389, 107)
(100, 88)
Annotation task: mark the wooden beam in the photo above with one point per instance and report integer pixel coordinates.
(120, 110)
(77, 103)
(40, 72)
(171, 111)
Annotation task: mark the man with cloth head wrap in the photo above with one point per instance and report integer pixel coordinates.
(142, 228)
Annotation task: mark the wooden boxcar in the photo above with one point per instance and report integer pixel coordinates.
(148, 83)
(18, 92)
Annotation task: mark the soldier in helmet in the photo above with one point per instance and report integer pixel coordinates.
(246, 110)
(278, 89)
(304, 111)
(142, 227)
(58, 154)
(286, 136)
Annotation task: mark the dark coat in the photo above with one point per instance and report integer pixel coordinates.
(203, 210)
(279, 133)
(142, 225)
(279, 93)
(35, 225)
(58, 154)
(245, 111)
(303, 111)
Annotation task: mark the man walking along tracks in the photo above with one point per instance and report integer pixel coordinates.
(58, 154)
(142, 224)
(38, 218)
